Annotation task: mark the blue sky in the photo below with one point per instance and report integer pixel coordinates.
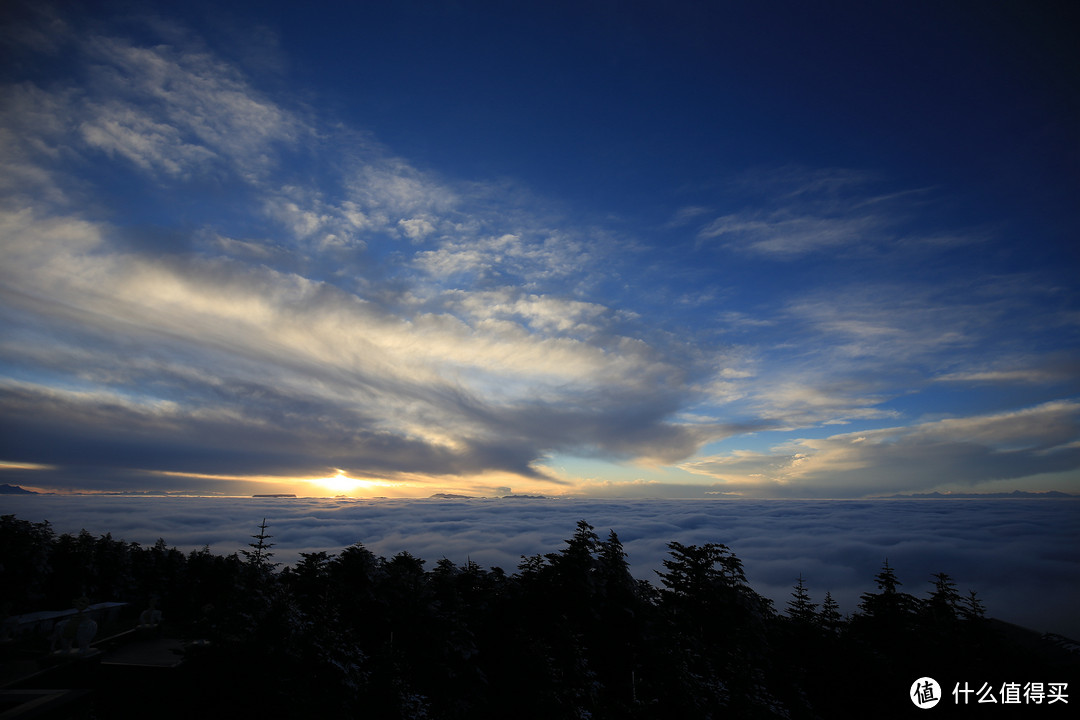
(625, 249)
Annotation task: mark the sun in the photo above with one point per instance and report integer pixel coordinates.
(343, 484)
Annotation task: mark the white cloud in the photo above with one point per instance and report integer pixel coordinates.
(526, 258)
(197, 95)
(416, 228)
(391, 186)
(686, 215)
(1024, 369)
(794, 212)
(788, 237)
(891, 322)
(528, 370)
(850, 352)
(952, 452)
(152, 145)
(544, 314)
(809, 399)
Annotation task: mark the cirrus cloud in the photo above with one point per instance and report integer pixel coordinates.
(951, 452)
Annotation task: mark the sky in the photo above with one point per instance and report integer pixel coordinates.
(607, 249)
(1021, 557)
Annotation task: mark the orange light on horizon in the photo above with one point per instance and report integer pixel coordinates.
(343, 484)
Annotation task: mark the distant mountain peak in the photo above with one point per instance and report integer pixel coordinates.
(6, 489)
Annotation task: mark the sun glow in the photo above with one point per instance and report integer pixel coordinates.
(342, 483)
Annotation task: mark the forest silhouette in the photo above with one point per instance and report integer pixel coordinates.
(569, 634)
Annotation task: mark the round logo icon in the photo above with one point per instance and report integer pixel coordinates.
(925, 693)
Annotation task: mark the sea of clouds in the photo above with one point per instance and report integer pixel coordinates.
(1022, 556)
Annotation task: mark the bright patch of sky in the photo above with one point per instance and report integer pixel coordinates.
(792, 251)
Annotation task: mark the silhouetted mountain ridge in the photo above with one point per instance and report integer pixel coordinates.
(6, 489)
(1014, 495)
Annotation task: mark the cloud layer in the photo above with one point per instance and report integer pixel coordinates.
(1019, 555)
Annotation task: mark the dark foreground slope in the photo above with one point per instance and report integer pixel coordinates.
(569, 634)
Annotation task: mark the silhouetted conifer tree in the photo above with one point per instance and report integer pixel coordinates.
(830, 618)
(941, 609)
(260, 554)
(26, 549)
(800, 608)
(574, 567)
(972, 608)
(888, 606)
(714, 649)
